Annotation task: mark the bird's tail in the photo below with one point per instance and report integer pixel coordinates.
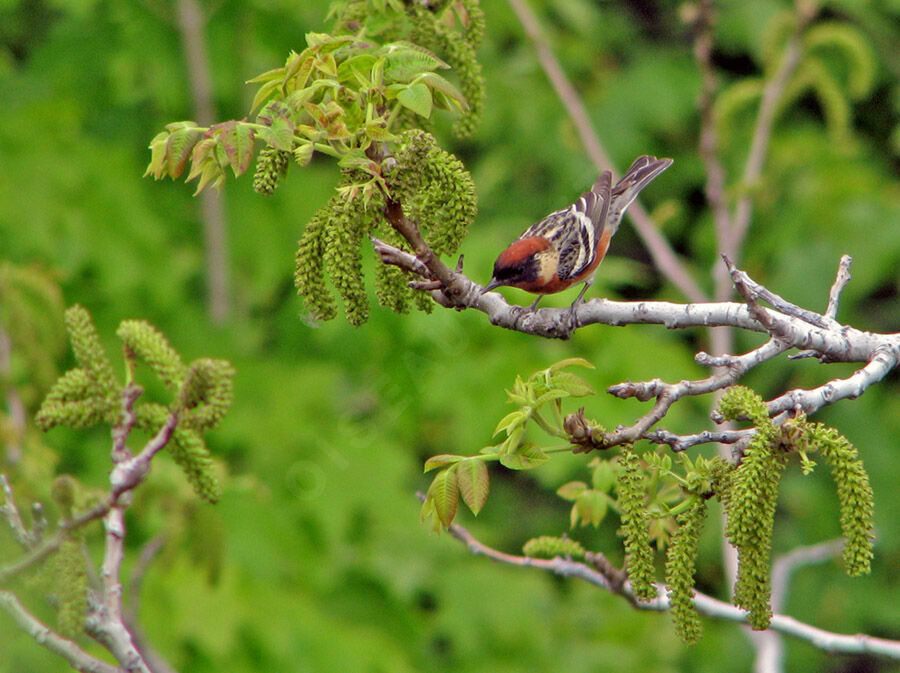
(642, 172)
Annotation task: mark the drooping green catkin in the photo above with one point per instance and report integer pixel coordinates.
(449, 200)
(751, 515)
(548, 546)
(435, 189)
(459, 51)
(309, 274)
(190, 453)
(681, 561)
(149, 345)
(742, 402)
(475, 25)
(854, 495)
(89, 352)
(749, 493)
(635, 525)
(343, 257)
(72, 401)
(205, 394)
(423, 302)
(271, 166)
(186, 447)
(332, 246)
(88, 394)
(70, 585)
(391, 287)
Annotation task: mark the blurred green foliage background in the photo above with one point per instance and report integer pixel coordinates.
(315, 559)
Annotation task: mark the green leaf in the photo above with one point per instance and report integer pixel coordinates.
(604, 477)
(376, 131)
(510, 421)
(571, 383)
(444, 492)
(440, 460)
(474, 483)
(526, 457)
(303, 153)
(202, 152)
(357, 68)
(157, 165)
(211, 172)
(179, 146)
(324, 42)
(264, 92)
(404, 60)
(238, 142)
(438, 83)
(326, 64)
(416, 97)
(591, 507)
(513, 440)
(269, 75)
(569, 362)
(553, 394)
(279, 131)
(572, 490)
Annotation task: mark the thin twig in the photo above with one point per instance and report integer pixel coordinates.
(809, 401)
(10, 511)
(746, 285)
(684, 442)
(667, 394)
(105, 621)
(838, 344)
(834, 296)
(50, 544)
(47, 637)
(128, 418)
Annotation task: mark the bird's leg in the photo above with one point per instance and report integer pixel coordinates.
(534, 304)
(578, 300)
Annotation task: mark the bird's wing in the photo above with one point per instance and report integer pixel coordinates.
(577, 252)
(595, 202)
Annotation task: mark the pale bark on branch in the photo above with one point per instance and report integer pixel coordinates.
(106, 620)
(597, 570)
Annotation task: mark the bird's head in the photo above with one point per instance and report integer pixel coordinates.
(525, 264)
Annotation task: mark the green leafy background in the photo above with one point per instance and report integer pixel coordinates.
(315, 559)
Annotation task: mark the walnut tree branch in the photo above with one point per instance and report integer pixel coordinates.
(602, 574)
(106, 620)
(840, 282)
(793, 325)
(76, 657)
(729, 370)
(882, 362)
(10, 511)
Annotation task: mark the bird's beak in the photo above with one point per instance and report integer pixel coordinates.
(493, 285)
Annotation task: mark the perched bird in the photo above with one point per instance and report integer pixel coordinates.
(567, 246)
